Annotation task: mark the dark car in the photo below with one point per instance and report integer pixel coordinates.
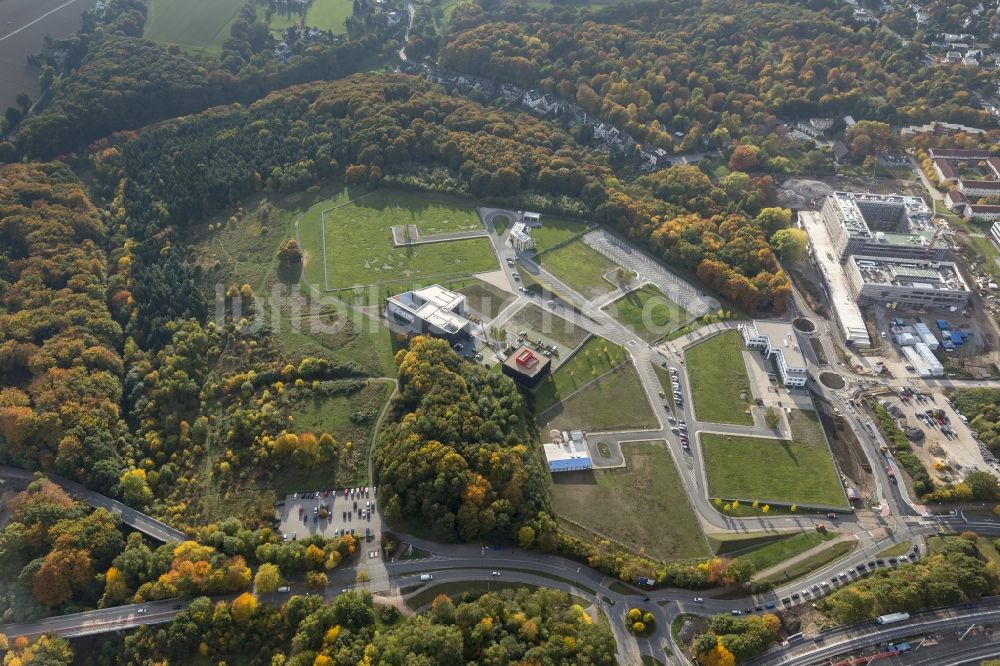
(880, 562)
(795, 596)
(786, 600)
(770, 605)
(759, 608)
(645, 598)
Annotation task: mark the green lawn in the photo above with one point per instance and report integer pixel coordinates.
(333, 414)
(195, 24)
(555, 230)
(588, 363)
(769, 470)
(329, 14)
(737, 543)
(500, 223)
(647, 312)
(901, 548)
(718, 377)
(631, 505)
(614, 401)
(810, 564)
(535, 321)
(359, 243)
(768, 555)
(483, 297)
(322, 14)
(581, 267)
(245, 253)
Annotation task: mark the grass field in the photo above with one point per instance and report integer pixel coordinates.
(332, 414)
(750, 468)
(647, 312)
(533, 319)
(810, 564)
(631, 505)
(736, 543)
(581, 267)
(766, 556)
(615, 401)
(500, 223)
(245, 253)
(483, 297)
(323, 14)
(718, 378)
(194, 24)
(555, 230)
(588, 363)
(900, 548)
(359, 249)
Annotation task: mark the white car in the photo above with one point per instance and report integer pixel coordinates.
(142, 611)
(698, 600)
(494, 573)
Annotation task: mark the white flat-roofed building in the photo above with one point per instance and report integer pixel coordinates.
(434, 310)
(908, 282)
(529, 218)
(520, 237)
(778, 340)
(845, 311)
(568, 453)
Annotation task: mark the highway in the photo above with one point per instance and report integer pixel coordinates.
(135, 519)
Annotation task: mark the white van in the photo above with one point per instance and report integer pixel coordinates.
(426, 577)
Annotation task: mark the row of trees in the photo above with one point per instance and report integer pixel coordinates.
(521, 626)
(460, 454)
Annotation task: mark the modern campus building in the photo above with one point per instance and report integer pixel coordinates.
(914, 283)
(568, 453)
(881, 225)
(777, 340)
(433, 310)
(527, 367)
(520, 237)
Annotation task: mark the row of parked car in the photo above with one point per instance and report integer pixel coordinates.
(819, 589)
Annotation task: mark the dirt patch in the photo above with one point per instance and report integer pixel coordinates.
(804, 325)
(832, 380)
(817, 348)
(847, 450)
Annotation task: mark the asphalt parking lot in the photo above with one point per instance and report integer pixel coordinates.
(330, 513)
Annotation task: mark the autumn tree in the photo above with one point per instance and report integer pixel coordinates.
(267, 580)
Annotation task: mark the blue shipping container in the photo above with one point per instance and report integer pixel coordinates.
(957, 338)
(941, 324)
